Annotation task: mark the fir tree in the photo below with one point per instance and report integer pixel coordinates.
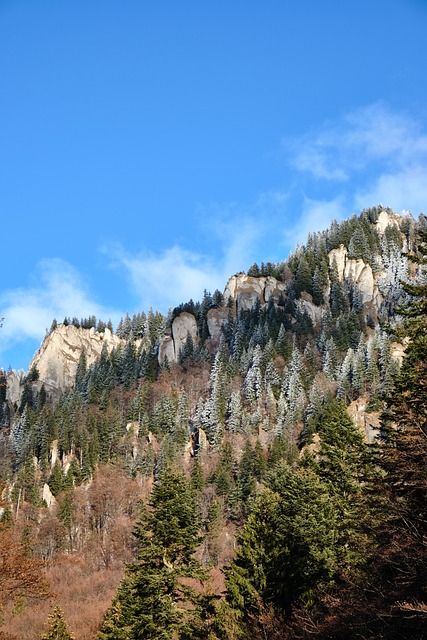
(287, 546)
(405, 419)
(152, 600)
(58, 628)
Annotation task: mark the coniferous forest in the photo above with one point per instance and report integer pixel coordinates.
(268, 483)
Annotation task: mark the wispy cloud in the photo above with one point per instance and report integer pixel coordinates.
(57, 290)
(372, 155)
(370, 137)
(233, 237)
(247, 232)
(165, 279)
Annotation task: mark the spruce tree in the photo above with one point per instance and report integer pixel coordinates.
(58, 628)
(403, 534)
(287, 546)
(153, 601)
(405, 419)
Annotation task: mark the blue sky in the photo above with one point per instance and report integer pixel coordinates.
(149, 150)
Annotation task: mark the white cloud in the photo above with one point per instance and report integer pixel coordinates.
(370, 138)
(247, 232)
(236, 237)
(374, 154)
(165, 280)
(56, 291)
(403, 190)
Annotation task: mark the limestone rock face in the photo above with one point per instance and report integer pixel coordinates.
(13, 386)
(305, 305)
(183, 325)
(340, 257)
(166, 349)
(368, 422)
(361, 274)
(358, 272)
(59, 354)
(398, 350)
(217, 318)
(171, 345)
(387, 220)
(273, 289)
(247, 290)
(48, 497)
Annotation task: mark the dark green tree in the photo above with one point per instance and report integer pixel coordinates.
(287, 547)
(153, 600)
(405, 419)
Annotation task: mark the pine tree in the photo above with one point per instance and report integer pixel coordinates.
(287, 546)
(59, 629)
(152, 600)
(358, 246)
(405, 419)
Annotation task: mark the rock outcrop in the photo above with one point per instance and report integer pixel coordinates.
(386, 219)
(58, 357)
(172, 343)
(48, 497)
(357, 271)
(247, 290)
(305, 305)
(217, 318)
(14, 386)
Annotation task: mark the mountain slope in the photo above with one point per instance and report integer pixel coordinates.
(227, 390)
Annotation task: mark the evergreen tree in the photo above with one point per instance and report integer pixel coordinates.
(405, 418)
(58, 628)
(303, 276)
(358, 246)
(152, 600)
(287, 546)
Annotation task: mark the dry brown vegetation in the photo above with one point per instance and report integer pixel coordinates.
(83, 558)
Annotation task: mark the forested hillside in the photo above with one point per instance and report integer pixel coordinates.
(251, 466)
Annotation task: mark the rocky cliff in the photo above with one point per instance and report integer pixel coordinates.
(172, 343)
(58, 356)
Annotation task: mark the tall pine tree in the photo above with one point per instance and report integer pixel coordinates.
(154, 599)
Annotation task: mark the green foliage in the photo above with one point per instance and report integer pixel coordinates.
(288, 544)
(152, 600)
(405, 418)
(56, 480)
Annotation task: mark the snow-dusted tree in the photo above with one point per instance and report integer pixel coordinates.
(358, 372)
(253, 384)
(282, 412)
(271, 375)
(372, 371)
(163, 419)
(210, 415)
(182, 416)
(395, 271)
(345, 376)
(218, 388)
(234, 420)
(296, 397)
(239, 340)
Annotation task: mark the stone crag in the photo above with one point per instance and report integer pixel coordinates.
(58, 356)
